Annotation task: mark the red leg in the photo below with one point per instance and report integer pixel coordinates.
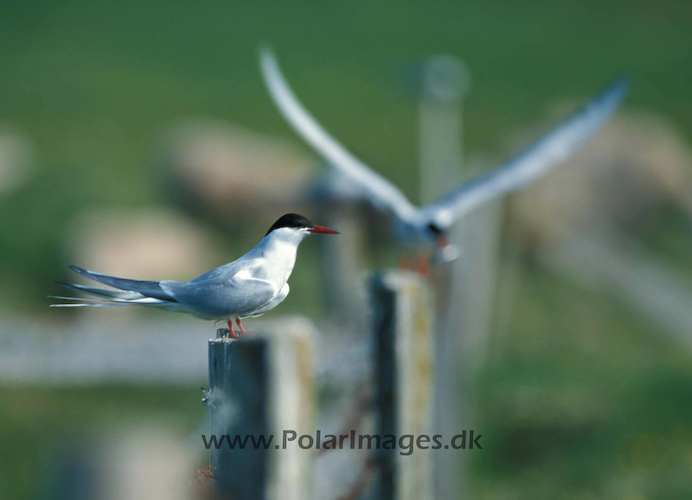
(231, 332)
(242, 330)
(423, 264)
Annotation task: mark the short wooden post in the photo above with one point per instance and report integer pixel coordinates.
(405, 382)
(261, 386)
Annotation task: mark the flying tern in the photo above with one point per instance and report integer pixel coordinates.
(428, 225)
(246, 288)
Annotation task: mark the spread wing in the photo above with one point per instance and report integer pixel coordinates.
(534, 161)
(380, 192)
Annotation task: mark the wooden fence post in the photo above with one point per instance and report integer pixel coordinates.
(463, 288)
(405, 382)
(261, 386)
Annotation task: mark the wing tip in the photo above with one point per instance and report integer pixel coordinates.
(617, 90)
(79, 270)
(82, 305)
(268, 63)
(264, 49)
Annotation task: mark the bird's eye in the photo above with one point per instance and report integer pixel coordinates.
(435, 230)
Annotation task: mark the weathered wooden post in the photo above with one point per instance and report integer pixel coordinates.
(446, 80)
(260, 387)
(464, 288)
(405, 383)
(444, 83)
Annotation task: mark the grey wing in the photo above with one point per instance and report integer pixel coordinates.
(275, 301)
(380, 192)
(217, 297)
(533, 162)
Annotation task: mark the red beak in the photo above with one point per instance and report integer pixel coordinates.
(322, 229)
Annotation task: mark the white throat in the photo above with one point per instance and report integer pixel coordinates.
(278, 249)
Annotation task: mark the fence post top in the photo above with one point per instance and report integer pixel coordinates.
(397, 279)
(291, 327)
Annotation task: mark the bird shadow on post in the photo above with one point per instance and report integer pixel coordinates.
(405, 383)
(260, 388)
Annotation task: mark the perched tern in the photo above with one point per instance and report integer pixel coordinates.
(246, 288)
(429, 224)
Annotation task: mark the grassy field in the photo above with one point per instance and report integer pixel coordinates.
(581, 398)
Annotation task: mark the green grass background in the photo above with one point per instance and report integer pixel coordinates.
(570, 392)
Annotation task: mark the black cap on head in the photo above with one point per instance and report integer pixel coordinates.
(291, 220)
(434, 229)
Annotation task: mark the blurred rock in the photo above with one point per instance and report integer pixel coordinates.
(17, 159)
(638, 162)
(226, 169)
(142, 244)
